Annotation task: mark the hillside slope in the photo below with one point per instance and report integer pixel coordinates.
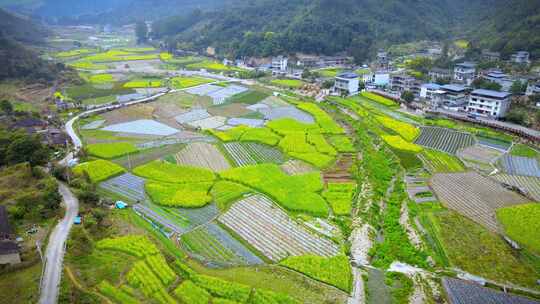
(358, 27)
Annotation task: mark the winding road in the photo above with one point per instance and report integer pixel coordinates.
(56, 248)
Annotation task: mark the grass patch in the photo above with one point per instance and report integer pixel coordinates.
(187, 82)
(210, 65)
(144, 83)
(249, 97)
(101, 78)
(525, 151)
(186, 195)
(169, 173)
(379, 99)
(226, 193)
(522, 224)
(438, 161)
(21, 286)
(340, 196)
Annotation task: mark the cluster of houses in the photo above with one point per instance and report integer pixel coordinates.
(50, 135)
(457, 95)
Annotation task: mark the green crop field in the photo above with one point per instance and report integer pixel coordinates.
(288, 83)
(339, 196)
(144, 83)
(249, 97)
(86, 65)
(226, 193)
(111, 150)
(342, 143)
(406, 131)
(399, 143)
(187, 82)
(294, 193)
(325, 121)
(522, 224)
(73, 53)
(525, 151)
(101, 78)
(186, 195)
(98, 170)
(335, 271)
(170, 173)
(379, 99)
(247, 134)
(438, 161)
(210, 65)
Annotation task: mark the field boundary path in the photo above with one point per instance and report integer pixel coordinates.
(54, 255)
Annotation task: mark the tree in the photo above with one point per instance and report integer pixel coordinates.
(518, 87)
(141, 31)
(516, 116)
(6, 107)
(407, 96)
(24, 148)
(481, 83)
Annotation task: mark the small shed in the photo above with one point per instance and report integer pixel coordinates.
(120, 205)
(9, 252)
(78, 220)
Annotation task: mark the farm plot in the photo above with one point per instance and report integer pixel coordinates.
(93, 125)
(230, 110)
(518, 165)
(474, 196)
(191, 116)
(215, 246)
(479, 153)
(221, 96)
(340, 172)
(443, 139)
(204, 89)
(270, 230)
(195, 217)
(437, 161)
(461, 292)
(287, 112)
(98, 170)
(250, 122)
(248, 153)
(202, 155)
(127, 185)
(296, 167)
(274, 102)
(527, 184)
(144, 126)
(209, 123)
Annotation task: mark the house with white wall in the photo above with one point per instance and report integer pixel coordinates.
(488, 103)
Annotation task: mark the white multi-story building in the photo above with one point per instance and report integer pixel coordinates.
(428, 89)
(401, 82)
(465, 72)
(488, 103)
(347, 82)
(279, 63)
(501, 78)
(520, 57)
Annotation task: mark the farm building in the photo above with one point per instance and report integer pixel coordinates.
(9, 250)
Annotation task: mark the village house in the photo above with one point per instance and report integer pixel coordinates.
(488, 103)
(497, 76)
(279, 64)
(347, 83)
(428, 89)
(490, 56)
(452, 97)
(30, 124)
(521, 57)
(465, 72)
(533, 88)
(383, 60)
(402, 82)
(9, 250)
(438, 73)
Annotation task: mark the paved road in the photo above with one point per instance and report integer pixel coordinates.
(54, 255)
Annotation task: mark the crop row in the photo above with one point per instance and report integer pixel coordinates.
(438, 161)
(170, 173)
(339, 196)
(335, 271)
(142, 277)
(397, 142)
(225, 193)
(518, 165)
(445, 140)
(325, 121)
(271, 231)
(98, 170)
(127, 185)
(187, 195)
(405, 130)
(135, 245)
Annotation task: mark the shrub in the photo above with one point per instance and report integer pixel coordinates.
(288, 83)
(98, 170)
(335, 271)
(170, 173)
(522, 224)
(111, 150)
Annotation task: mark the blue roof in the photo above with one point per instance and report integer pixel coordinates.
(77, 220)
(349, 75)
(431, 86)
(120, 205)
(453, 87)
(490, 93)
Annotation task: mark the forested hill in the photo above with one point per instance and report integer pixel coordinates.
(267, 27)
(17, 61)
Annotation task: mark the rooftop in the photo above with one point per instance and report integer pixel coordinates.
(453, 87)
(347, 75)
(467, 64)
(431, 86)
(490, 93)
(8, 247)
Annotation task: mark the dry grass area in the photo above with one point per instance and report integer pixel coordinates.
(229, 110)
(340, 172)
(185, 100)
(202, 155)
(474, 196)
(479, 153)
(296, 167)
(127, 114)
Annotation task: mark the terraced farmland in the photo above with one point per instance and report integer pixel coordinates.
(527, 184)
(245, 154)
(216, 247)
(462, 292)
(474, 196)
(518, 165)
(479, 153)
(127, 185)
(202, 155)
(443, 139)
(271, 231)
